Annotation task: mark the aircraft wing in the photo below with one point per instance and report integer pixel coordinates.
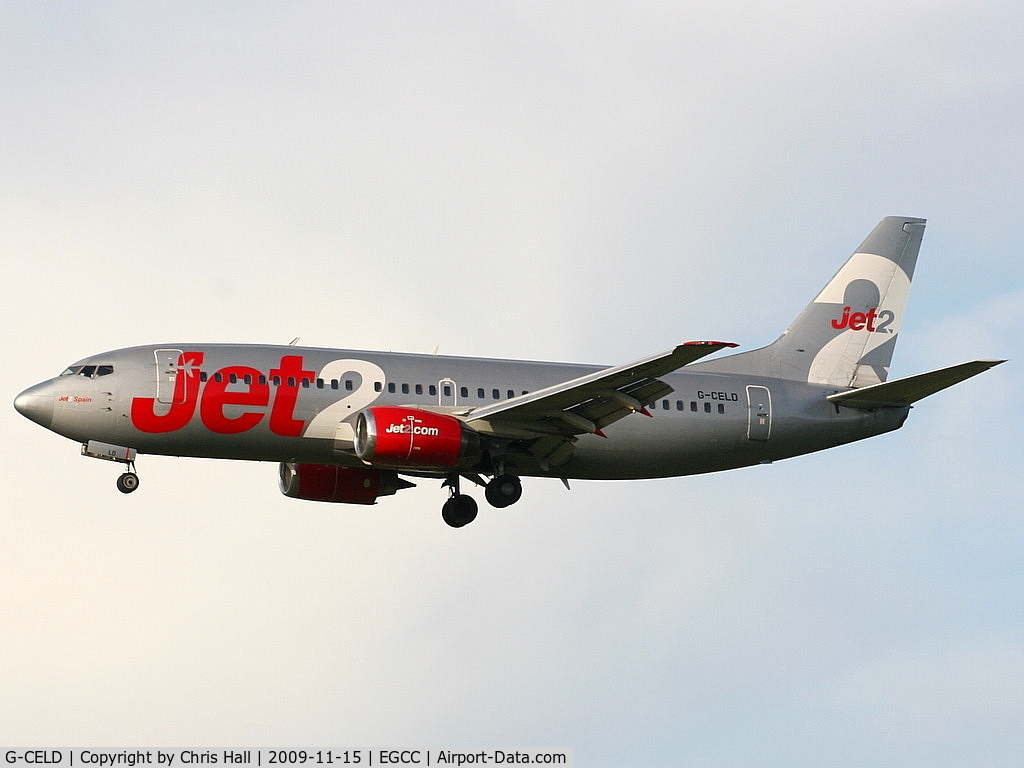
(587, 404)
(903, 392)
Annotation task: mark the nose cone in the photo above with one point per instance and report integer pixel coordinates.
(36, 403)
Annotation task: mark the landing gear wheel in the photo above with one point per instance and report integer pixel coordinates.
(459, 510)
(503, 491)
(127, 482)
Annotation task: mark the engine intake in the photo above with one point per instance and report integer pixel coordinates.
(410, 437)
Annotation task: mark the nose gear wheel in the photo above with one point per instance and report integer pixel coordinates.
(128, 482)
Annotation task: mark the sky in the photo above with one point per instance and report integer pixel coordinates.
(589, 182)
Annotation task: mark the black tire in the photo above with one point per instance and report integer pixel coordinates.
(127, 482)
(503, 491)
(459, 510)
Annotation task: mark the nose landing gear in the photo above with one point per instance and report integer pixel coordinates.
(128, 482)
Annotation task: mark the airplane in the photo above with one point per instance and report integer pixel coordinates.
(351, 426)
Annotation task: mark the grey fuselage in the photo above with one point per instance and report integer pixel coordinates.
(297, 404)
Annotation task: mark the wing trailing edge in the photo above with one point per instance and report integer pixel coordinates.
(593, 401)
(906, 391)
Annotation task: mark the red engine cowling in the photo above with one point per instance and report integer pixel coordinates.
(345, 485)
(410, 437)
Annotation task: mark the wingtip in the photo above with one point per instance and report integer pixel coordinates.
(709, 344)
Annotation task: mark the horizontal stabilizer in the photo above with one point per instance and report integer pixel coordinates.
(903, 392)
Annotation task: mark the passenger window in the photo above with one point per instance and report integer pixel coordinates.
(233, 378)
(348, 385)
(447, 390)
(707, 407)
(511, 394)
(463, 391)
(721, 408)
(419, 389)
(679, 405)
(480, 393)
(432, 390)
(391, 388)
(693, 406)
(495, 394)
(377, 386)
(405, 389)
(218, 377)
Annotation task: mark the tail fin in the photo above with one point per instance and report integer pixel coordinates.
(846, 336)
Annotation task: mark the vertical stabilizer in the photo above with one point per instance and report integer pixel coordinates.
(846, 336)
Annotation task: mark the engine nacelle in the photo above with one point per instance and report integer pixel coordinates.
(343, 485)
(411, 437)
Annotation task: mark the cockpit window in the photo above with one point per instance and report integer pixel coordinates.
(88, 371)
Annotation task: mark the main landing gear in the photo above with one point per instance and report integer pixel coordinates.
(503, 491)
(461, 509)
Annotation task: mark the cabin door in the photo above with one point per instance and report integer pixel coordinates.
(759, 422)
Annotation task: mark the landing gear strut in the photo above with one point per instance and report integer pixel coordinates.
(460, 509)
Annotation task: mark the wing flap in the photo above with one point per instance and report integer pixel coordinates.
(588, 403)
(904, 392)
(610, 405)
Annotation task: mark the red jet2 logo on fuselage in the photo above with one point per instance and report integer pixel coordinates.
(213, 396)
